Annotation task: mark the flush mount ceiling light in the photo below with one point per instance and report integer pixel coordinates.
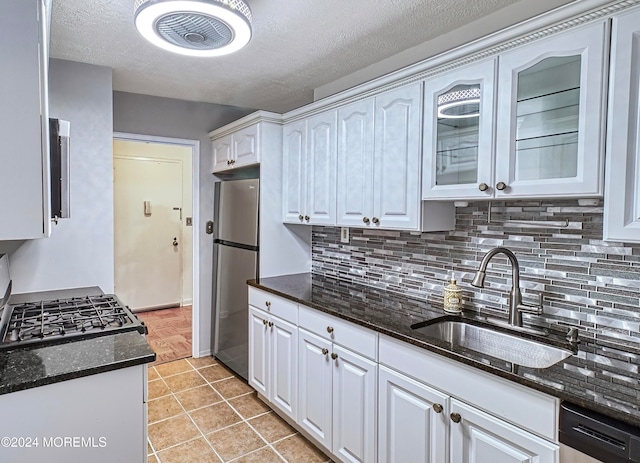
(459, 103)
(195, 27)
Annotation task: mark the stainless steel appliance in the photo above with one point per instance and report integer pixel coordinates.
(59, 132)
(235, 262)
(597, 435)
(60, 320)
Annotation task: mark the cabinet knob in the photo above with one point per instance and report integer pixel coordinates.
(437, 408)
(329, 329)
(325, 351)
(306, 217)
(300, 217)
(233, 161)
(365, 219)
(228, 162)
(268, 304)
(483, 187)
(334, 356)
(375, 220)
(501, 186)
(270, 324)
(455, 417)
(264, 322)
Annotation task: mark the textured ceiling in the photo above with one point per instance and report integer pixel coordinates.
(297, 45)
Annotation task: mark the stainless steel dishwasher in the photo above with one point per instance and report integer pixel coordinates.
(599, 436)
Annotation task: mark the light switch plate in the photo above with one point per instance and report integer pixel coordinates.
(189, 222)
(344, 234)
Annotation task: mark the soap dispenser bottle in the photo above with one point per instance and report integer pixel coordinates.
(452, 297)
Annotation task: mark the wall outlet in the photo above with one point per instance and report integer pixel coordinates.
(344, 234)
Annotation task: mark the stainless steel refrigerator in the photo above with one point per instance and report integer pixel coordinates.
(235, 262)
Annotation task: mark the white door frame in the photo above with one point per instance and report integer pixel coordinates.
(195, 173)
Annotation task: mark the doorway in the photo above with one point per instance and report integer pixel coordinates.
(155, 196)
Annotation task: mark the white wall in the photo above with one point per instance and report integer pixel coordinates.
(166, 117)
(80, 249)
(136, 149)
(510, 15)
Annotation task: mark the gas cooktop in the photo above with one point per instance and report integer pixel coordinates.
(60, 320)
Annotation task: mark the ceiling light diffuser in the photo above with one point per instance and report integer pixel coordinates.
(459, 104)
(195, 27)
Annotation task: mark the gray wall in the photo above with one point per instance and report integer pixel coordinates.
(80, 249)
(585, 282)
(165, 117)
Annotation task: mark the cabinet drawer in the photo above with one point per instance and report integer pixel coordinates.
(520, 405)
(347, 334)
(274, 305)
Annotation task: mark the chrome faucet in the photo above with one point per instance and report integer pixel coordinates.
(516, 307)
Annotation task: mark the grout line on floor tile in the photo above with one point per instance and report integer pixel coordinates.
(242, 420)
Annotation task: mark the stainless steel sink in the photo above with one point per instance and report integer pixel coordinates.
(485, 340)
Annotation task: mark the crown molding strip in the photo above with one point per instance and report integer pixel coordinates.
(558, 20)
(246, 121)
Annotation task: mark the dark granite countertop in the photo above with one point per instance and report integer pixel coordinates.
(29, 367)
(37, 365)
(600, 376)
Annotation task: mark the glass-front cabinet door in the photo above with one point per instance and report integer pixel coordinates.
(458, 133)
(549, 130)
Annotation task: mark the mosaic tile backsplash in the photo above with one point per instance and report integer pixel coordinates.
(583, 281)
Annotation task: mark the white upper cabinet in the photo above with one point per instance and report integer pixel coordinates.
(309, 177)
(245, 146)
(355, 163)
(396, 160)
(379, 160)
(222, 153)
(458, 133)
(237, 149)
(549, 129)
(321, 168)
(24, 158)
(294, 176)
(622, 185)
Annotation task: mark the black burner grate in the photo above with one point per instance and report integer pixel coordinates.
(63, 318)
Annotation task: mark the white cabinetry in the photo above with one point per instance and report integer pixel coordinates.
(273, 350)
(237, 149)
(309, 178)
(114, 429)
(622, 186)
(355, 163)
(477, 436)
(486, 418)
(24, 158)
(338, 385)
(550, 116)
(413, 420)
(379, 160)
(458, 133)
(548, 122)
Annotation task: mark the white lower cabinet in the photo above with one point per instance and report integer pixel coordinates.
(368, 398)
(477, 436)
(51, 423)
(430, 418)
(413, 420)
(273, 366)
(337, 398)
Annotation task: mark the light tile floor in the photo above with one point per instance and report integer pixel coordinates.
(200, 412)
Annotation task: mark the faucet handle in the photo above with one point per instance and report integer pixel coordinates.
(530, 308)
(535, 309)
